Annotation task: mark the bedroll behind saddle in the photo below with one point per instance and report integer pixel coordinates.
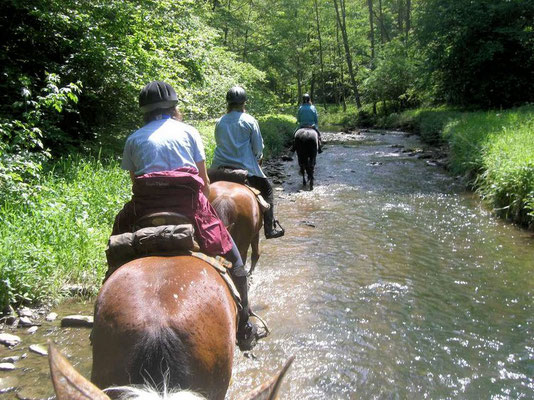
(153, 240)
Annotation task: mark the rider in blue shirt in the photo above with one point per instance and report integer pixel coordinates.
(240, 146)
(307, 117)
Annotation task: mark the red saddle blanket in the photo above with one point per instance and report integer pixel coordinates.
(178, 191)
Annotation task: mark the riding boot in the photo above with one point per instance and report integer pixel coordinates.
(269, 224)
(246, 330)
(319, 142)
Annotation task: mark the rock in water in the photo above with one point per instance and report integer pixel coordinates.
(25, 321)
(9, 340)
(77, 321)
(32, 330)
(51, 317)
(7, 367)
(38, 350)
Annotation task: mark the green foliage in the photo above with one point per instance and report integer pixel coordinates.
(22, 151)
(394, 77)
(277, 131)
(480, 52)
(113, 48)
(59, 234)
(498, 148)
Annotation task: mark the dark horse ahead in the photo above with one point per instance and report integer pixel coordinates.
(306, 146)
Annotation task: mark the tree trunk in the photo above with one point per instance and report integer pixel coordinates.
(381, 20)
(320, 53)
(312, 85)
(372, 33)
(299, 79)
(400, 17)
(245, 44)
(339, 58)
(343, 26)
(408, 17)
(226, 28)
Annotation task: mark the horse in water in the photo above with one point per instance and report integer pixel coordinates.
(165, 320)
(240, 212)
(69, 384)
(306, 146)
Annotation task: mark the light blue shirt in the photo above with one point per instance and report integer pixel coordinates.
(239, 143)
(162, 145)
(307, 116)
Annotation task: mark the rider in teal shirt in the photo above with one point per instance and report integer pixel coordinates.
(307, 117)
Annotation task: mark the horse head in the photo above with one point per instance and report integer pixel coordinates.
(69, 384)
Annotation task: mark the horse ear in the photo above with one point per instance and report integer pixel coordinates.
(269, 389)
(69, 384)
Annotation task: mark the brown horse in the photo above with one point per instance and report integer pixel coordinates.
(69, 384)
(238, 208)
(165, 319)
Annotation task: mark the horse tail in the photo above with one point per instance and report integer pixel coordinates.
(161, 359)
(226, 209)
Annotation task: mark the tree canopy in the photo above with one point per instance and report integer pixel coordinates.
(72, 69)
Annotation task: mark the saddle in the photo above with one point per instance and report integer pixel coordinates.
(237, 175)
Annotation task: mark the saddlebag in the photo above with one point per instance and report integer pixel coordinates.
(164, 240)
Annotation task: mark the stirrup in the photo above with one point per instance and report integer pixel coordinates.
(247, 338)
(276, 222)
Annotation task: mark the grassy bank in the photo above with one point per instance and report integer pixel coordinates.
(55, 231)
(493, 150)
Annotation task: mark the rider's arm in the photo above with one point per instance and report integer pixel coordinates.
(256, 141)
(315, 118)
(203, 173)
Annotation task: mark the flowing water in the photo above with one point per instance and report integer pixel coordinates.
(392, 282)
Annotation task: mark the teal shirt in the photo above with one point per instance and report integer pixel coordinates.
(239, 143)
(307, 115)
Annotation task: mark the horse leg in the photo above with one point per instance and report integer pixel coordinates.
(255, 256)
(303, 173)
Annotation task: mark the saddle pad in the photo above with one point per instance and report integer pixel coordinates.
(222, 266)
(261, 201)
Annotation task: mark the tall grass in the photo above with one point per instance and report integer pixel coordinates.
(497, 147)
(57, 232)
(58, 235)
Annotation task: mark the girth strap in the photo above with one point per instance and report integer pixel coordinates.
(222, 266)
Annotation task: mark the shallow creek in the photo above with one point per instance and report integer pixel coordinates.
(392, 282)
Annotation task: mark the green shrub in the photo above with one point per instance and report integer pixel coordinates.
(277, 131)
(59, 233)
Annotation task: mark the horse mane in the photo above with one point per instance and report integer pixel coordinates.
(161, 359)
(226, 210)
(147, 392)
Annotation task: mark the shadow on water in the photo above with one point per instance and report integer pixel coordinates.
(392, 282)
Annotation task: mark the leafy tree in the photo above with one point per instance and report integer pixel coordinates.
(480, 52)
(394, 77)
